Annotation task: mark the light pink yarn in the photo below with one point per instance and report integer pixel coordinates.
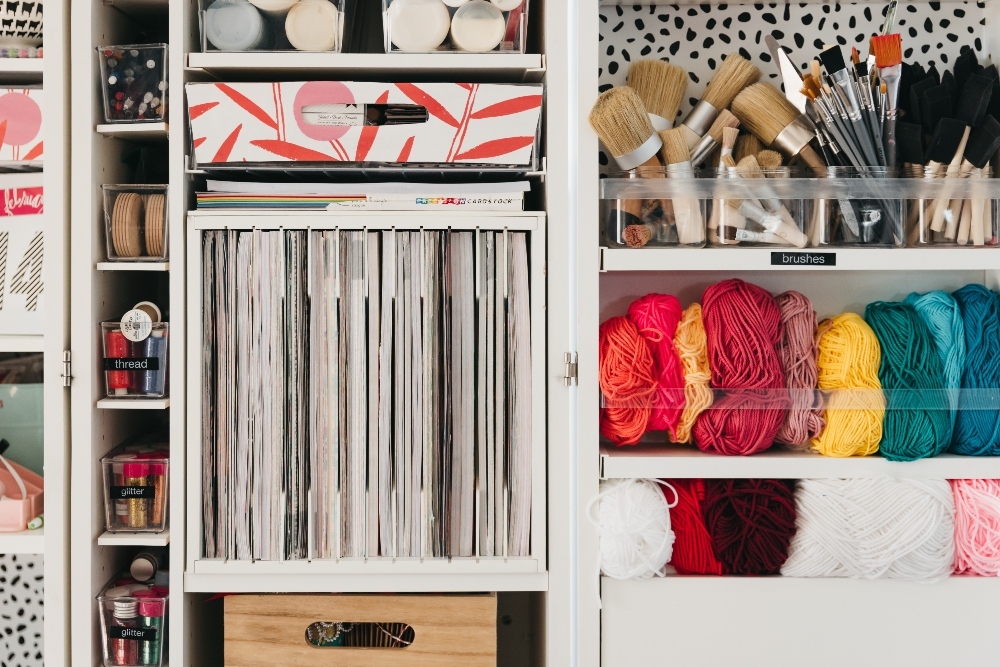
(977, 526)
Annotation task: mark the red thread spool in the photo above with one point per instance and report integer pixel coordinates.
(657, 316)
(743, 330)
(692, 544)
(116, 346)
(627, 381)
(751, 523)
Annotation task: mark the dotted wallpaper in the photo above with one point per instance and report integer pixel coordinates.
(21, 612)
(696, 37)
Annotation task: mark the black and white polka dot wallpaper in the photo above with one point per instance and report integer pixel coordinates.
(21, 611)
(696, 37)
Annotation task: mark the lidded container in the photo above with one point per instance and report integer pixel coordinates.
(476, 26)
(137, 485)
(272, 25)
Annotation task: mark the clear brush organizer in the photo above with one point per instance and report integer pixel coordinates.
(958, 217)
(653, 222)
(763, 221)
(870, 215)
(272, 25)
(477, 26)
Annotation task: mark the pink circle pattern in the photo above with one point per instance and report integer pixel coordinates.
(321, 92)
(23, 116)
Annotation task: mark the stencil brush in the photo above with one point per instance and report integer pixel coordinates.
(713, 138)
(765, 112)
(889, 58)
(661, 87)
(735, 74)
(746, 144)
(687, 212)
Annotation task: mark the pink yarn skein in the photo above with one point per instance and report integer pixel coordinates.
(977, 526)
(656, 316)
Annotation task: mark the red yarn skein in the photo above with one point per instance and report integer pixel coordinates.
(627, 381)
(751, 523)
(692, 544)
(743, 329)
(657, 316)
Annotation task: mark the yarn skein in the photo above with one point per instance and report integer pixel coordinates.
(657, 316)
(692, 544)
(627, 381)
(977, 526)
(751, 523)
(977, 424)
(634, 525)
(692, 349)
(940, 312)
(917, 419)
(743, 329)
(797, 351)
(848, 358)
(873, 528)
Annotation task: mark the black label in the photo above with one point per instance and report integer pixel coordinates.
(132, 491)
(139, 634)
(132, 364)
(803, 259)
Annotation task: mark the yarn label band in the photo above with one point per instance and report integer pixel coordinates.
(803, 259)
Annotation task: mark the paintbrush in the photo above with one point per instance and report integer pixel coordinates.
(735, 74)
(889, 58)
(765, 112)
(983, 144)
(661, 87)
(746, 144)
(729, 135)
(724, 216)
(713, 137)
(687, 212)
(769, 159)
(778, 220)
(836, 68)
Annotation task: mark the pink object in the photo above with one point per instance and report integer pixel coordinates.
(152, 606)
(977, 526)
(321, 92)
(135, 469)
(657, 316)
(15, 511)
(23, 117)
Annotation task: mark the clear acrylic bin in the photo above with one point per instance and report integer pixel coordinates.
(135, 369)
(134, 82)
(133, 623)
(135, 222)
(875, 222)
(767, 221)
(478, 26)
(272, 25)
(137, 485)
(953, 221)
(654, 223)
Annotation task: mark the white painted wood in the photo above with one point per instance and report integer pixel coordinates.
(13, 343)
(135, 132)
(133, 266)
(134, 539)
(25, 542)
(133, 403)
(24, 65)
(382, 582)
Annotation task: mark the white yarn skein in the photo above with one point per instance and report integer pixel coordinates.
(634, 526)
(873, 528)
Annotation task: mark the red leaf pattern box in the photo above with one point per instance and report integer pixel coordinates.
(466, 124)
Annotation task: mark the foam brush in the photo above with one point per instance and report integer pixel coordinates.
(936, 103)
(713, 137)
(953, 170)
(983, 144)
(765, 112)
(889, 58)
(735, 74)
(661, 87)
(687, 212)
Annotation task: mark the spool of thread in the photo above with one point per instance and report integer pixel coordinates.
(236, 25)
(418, 25)
(917, 421)
(848, 359)
(743, 329)
(750, 522)
(657, 317)
(313, 25)
(940, 312)
(692, 544)
(692, 350)
(634, 525)
(155, 347)
(797, 352)
(628, 382)
(977, 526)
(116, 346)
(477, 26)
(977, 422)
(873, 529)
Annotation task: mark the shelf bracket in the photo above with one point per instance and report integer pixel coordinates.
(67, 371)
(570, 369)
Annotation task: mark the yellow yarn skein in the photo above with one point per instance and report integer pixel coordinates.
(692, 348)
(848, 360)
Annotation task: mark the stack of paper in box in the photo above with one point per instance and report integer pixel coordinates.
(223, 195)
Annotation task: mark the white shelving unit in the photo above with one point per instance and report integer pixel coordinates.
(764, 620)
(23, 542)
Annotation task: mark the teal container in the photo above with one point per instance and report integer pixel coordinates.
(21, 424)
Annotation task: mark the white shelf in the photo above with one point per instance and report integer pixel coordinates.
(133, 403)
(666, 461)
(23, 542)
(133, 266)
(13, 343)
(759, 259)
(21, 65)
(135, 539)
(143, 131)
(447, 65)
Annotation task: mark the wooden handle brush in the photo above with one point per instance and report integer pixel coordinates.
(687, 212)
(661, 87)
(713, 138)
(779, 220)
(765, 112)
(735, 74)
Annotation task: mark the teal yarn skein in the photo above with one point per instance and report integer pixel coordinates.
(917, 416)
(977, 431)
(940, 312)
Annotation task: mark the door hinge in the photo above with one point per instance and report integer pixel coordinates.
(67, 372)
(570, 369)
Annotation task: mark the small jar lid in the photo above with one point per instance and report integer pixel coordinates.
(233, 25)
(117, 592)
(135, 469)
(126, 608)
(152, 606)
(313, 25)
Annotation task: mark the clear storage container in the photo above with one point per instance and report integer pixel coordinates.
(135, 368)
(876, 222)
(478, 26)
(134, 82)
(135, 222)
(272, 25)
(133, 623)
(766, 221)
(653, 223)
(951, 221)
(136, 486)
